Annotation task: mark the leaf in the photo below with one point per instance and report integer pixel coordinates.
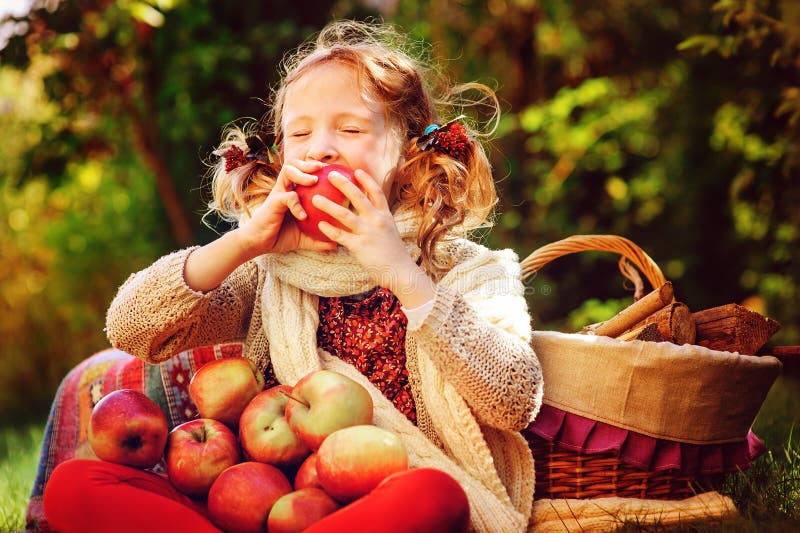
(790, 105)
(164, 5)
(147, 14)
(732, 8)
(706, 43)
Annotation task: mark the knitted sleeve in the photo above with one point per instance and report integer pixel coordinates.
(478, 333)
(156, 315)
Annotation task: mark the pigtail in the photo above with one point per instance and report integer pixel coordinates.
(452, 194)
(243, 173)
(448, 176)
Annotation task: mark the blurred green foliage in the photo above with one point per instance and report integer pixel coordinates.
(672, 124)
(66, 242)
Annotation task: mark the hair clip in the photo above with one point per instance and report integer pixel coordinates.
(257, 150)
(234, 158)
(450, 139)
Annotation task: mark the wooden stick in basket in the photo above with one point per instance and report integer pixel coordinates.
(674, 323)
(734, 328)
(643, 332)
(636, 312)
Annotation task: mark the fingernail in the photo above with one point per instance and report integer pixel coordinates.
(302, 214)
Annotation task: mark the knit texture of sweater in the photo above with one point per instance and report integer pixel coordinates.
(477, 344)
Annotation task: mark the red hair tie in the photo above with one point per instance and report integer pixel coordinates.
(257, 150)
(450, 139)
(234, 158)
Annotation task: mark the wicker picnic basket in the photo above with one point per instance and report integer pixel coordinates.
(564, 472)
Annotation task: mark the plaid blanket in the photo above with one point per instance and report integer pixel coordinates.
(65, 435)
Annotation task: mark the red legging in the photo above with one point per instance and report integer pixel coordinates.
(84, 495)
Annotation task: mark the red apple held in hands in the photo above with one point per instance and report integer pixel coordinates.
(306, 475)
(264, 433)
(310, 224)
(243, 495)
(197, 452)
(128, 428)
(296, 511)
(353, 461)
(323, 402)
(222, 389)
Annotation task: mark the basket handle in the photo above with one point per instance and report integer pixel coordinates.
(604, 243)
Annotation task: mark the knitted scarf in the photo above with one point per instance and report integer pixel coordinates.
(295, 281)
(484, 461)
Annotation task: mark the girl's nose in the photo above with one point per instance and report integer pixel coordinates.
(321, 149)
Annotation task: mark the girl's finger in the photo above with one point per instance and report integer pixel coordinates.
(351, 191)
(337, 211)
(291, 174)
(335, 234)
(308, 166)
(372, 189)
(292, 202)
(319, 246)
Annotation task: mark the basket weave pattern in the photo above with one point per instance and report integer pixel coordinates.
(565, 473)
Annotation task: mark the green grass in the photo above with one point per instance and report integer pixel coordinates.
(19, 454)
(768, 494)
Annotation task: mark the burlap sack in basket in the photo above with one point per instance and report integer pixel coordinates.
(681, 393)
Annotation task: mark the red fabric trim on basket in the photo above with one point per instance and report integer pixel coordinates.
(590, 437)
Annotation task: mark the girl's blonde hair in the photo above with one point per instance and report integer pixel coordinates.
(451, 193)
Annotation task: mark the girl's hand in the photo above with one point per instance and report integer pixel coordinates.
(270, 230)
(370, 233)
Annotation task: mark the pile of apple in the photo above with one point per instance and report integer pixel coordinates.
(248, 443)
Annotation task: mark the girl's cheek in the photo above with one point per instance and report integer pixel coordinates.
(292, 151)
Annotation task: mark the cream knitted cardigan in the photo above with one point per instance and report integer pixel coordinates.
(460, 392)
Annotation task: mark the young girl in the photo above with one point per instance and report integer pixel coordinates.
(434, 325)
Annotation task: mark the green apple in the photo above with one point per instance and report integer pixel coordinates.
(323, 402)
(265, 435)
(354, 460)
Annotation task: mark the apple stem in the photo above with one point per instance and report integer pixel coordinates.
(200, 434)
(293, 398)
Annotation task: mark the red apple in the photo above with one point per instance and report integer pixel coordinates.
(296, 511)
(222, 389)
(128, 428)
(353, 461)
(310, 224)
(306, 475)
(324, 401)
(197, 452)
(264, 434)
(243, 495)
